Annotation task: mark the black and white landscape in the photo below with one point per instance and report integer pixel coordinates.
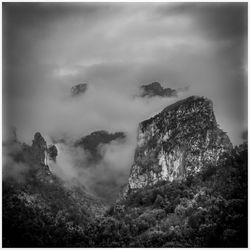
(125, 125)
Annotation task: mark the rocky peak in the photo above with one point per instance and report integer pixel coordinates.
(39, 141)
(79, 89)
(177, 142)
(155, 89)
(39, 147)
(40, 152)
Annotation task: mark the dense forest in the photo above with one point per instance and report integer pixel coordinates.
(206, 210)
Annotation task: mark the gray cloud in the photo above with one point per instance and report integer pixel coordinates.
(218, 20)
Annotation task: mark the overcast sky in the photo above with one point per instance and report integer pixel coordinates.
(116, 47)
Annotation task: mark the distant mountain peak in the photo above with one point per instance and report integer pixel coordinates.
(79, 89)
(155, 89)
(92, 142)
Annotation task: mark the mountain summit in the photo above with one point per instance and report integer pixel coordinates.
(79, 89)
(177, 142)
(155, 89)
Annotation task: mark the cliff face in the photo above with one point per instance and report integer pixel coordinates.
(177, 142)
(39, 147)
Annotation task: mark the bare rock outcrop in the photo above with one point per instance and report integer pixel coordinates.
(177, 142)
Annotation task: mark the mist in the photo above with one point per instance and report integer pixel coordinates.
(97, 112)
(197, 49)
(12, 169)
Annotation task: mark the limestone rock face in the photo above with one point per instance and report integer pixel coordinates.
(39, 147)
(39, 154)
(177, 142)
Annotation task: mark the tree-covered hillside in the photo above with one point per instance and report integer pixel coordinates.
(207, 210)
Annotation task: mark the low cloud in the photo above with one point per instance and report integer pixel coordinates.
(197, 49)
(103, 178)
(14, 168)
(60, 117)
